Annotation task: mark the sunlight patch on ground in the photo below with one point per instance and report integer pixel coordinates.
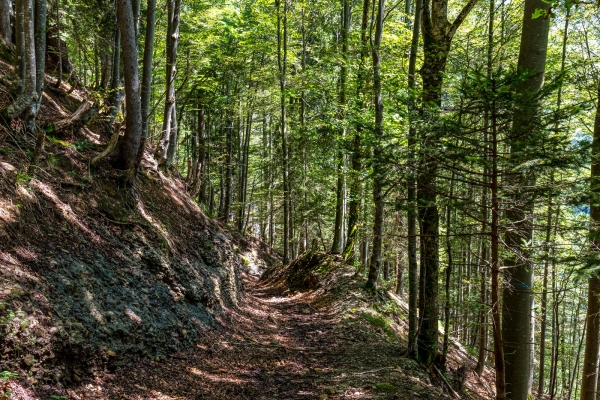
(216, 378)
(64, 208)
(156, 224)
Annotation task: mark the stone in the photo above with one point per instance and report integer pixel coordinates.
(417, 387)
(29, 360)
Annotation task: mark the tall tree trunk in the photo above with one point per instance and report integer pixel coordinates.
(128, 146)
(483, 328)
(40, 61)
(25, 18)
(499, 356)
(228, 173)
(5, 29)
(378, 167)
(356, 155)
(517, 296)
(338, 238)
(115, 83)
(413, 284)
(136, 7)
(592, 336)
(282, 56)
(20, 15)
(147, 69)
(448, 277)
(437, 37)
(172, 41)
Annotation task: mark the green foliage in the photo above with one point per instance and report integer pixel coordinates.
(384, 386)
(379, 322)
(7, 375)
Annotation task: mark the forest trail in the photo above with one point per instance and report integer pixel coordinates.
(276, 347)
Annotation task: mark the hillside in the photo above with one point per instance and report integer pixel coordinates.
(93, 276)
(96, 279)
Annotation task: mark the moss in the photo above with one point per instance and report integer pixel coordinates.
(385, 386)
(379, 322)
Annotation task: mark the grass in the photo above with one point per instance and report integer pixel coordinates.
(379, 322)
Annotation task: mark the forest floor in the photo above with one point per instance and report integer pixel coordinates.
(281, 344)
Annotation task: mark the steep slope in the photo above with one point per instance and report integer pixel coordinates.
(93, 276)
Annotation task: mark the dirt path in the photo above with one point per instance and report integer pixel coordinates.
(276, 347)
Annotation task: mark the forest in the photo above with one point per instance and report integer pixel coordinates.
(447, 152)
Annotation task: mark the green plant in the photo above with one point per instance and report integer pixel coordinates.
(6, 375)
(379, 322)
(57, 396)
(23, 178)
(82, 145)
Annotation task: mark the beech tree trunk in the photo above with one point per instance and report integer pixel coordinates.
(26, 49)
(356, 155)
(115, 81)
(5, 29)
(592, 336)
(517, 296)
(338, 237)
(127, 148)
(282, 49)
(162, 149)
(40, 62)
(378, 167)
(147, 69)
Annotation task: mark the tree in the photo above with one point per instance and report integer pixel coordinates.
(592, 335)
(5, 28)
(128, 146)
(168, 135)
(517, 294)
(437, 38)
(378, 164)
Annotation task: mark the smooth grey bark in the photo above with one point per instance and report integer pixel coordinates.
(40, 61)
(20, 6)
(413, 284)
(136, 8)
(172, 41)
(517, 293)
(127, 148)
(592, 336)
(338, 237)
(25, 13)
(378, 167)
(282, 57)
(356, 155)
(115, 82)
(147, 68)
(5, 29)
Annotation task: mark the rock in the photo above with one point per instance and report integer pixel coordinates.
(29, 360)
(111, 353)
(417, 387)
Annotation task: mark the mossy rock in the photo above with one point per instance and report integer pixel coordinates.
(385, 386)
